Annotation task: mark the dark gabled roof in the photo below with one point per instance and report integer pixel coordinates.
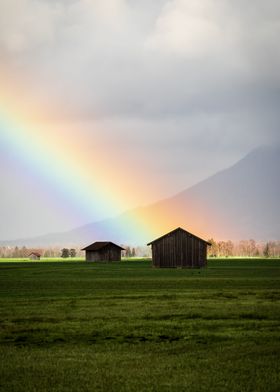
(101, 245)
(178, 229)
(35, 254)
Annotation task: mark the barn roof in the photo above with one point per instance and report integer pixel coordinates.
(98, 245)
(35, 254)
(178, 229)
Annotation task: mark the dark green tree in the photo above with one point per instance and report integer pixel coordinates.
(73, 252)
(65, 253)
(266, 251)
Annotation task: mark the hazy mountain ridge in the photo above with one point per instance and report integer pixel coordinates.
(244, 198)
(240, 202)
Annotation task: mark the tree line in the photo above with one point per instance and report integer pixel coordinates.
(244, 248)
(24, 252)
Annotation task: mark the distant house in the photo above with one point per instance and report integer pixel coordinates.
(179, 249)
(34, 256)
(103, 251)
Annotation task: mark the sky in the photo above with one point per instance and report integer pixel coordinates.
(108, 105)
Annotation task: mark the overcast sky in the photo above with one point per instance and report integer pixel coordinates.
(186, 87)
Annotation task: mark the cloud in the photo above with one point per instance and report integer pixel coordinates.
(189, 28)
(178, 71)
(26, 26)
(119, 57)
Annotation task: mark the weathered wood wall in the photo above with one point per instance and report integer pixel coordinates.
(179, 249)
(109, 253)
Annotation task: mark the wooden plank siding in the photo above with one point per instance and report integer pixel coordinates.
(104, 255)
(103, 251)
(179, 249)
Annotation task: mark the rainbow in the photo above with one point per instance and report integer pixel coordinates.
(81, 175)
(66, 170)
(91, 181)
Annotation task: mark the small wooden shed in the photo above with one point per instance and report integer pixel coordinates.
(179, 249)
(103, 251)
(34, 256)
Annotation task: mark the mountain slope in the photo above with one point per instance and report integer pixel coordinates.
(240, 202)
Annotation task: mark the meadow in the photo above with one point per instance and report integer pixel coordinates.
(125, 327)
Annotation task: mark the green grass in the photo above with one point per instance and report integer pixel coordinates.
(129, 327)
(58, 259)
(43, 259)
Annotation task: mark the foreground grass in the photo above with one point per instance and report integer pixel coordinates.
(129, 327)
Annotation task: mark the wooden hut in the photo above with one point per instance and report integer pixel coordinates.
(103, 251)
(34, 256)
(179, 249)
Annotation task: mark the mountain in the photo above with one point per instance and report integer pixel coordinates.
(237, 203)
(240, 202)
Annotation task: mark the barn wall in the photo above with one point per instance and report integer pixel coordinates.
(106, 254)
(179, 249)
(92, 256)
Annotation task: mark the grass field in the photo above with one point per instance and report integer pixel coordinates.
(129, 327)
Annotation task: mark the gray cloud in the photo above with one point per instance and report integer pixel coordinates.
(174, 59)
(118, 54)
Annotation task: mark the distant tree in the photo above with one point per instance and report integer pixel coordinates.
(23, 252)
(221, 245)
(47, 253)
(73, 252)
(244, 248)
(266, 250)
(5, 251)
(213, 249)
(15, 252)
(128, 251)
(133, 252)
(65, 253)
(273, 248)
(228, 248)
(252, 248)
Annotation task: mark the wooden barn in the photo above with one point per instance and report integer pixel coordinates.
(103, 251)
(179, 249)
(34, 256)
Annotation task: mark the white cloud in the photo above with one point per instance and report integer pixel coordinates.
(189, 27)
